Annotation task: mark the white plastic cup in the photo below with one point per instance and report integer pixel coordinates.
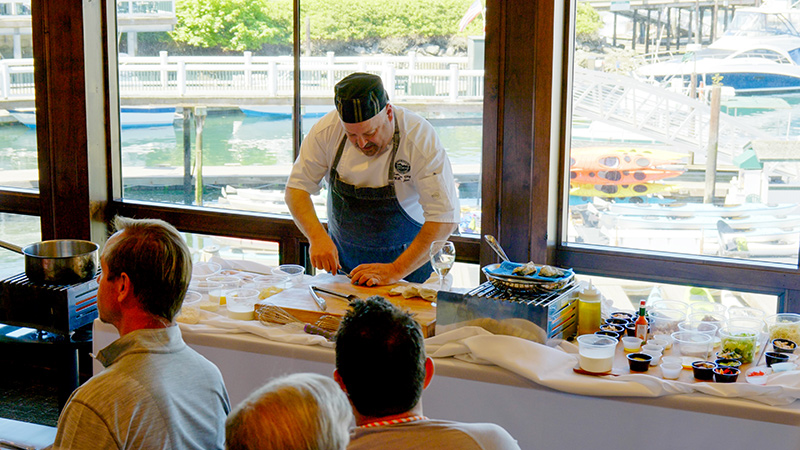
(631, 343)
(692, 345)
(655, 354)
(293, 271)
(671, 370)
(596, 352)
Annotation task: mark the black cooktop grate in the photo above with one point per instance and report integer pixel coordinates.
(58, 309)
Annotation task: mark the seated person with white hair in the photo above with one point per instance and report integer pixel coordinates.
(301, 411)
(382, 366)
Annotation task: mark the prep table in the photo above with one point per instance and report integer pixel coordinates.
(538, 417)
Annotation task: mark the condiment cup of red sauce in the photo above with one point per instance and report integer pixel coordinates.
(726, 374)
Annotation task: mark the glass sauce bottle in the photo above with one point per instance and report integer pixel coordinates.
(640, 326)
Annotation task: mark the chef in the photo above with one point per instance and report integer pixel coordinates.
(391, 191)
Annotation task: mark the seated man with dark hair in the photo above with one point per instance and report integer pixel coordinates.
(382, 366)
(155, 392)
(300, 411)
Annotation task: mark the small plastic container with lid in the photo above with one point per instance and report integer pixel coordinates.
(589, 307)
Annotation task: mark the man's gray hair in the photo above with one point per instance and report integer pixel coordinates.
(299, 411)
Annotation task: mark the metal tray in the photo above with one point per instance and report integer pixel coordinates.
(524, 284)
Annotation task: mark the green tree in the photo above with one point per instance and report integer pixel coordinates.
(587, 22)
(235, 25)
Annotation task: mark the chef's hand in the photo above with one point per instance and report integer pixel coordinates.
(375, 275)
(324, 255)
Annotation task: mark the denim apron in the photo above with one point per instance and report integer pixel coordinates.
(368, 225)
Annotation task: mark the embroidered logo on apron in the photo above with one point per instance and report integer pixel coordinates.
(401, 170)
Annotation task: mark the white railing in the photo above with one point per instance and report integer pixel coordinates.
(410, 77)
(124, 7)
(15, 8)
(145, 7)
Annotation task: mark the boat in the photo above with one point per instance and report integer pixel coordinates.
(584, 176)
(616, 191)
(654, 222)
(702, 209)
(130, 116)
(281, 112)
(623, 158)
(758, 54)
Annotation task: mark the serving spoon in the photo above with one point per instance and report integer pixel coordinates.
(494, 245)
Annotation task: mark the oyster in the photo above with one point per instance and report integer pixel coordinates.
(527, 269)
(550, 272)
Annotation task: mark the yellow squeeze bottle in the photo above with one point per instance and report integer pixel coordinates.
(589, 310)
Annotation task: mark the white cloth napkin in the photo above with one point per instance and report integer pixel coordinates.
(553, 367)
(218, 322)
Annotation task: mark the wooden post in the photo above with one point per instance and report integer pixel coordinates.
(199, 120)
(713, 145)
(187, 156)
(647, 33)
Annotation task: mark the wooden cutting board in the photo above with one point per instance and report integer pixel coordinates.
(298, 302)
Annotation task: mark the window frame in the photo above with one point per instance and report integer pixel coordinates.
(525, 129)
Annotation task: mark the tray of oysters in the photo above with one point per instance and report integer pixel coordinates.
(528, 277)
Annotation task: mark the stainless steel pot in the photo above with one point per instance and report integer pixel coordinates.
(61, 261)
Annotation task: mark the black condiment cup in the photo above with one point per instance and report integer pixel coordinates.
(630, 328)
(728, 362)
(613, 334)
(726, 374)
(703, 370)
(621, 315)
(617, 321)
(775, 357)
(781, 345)
(639, 362)
(619, 329)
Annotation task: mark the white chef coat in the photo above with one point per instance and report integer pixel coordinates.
(423, 175)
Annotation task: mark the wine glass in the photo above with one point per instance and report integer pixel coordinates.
(443, 255)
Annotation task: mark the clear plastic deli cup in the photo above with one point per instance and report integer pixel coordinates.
(596, 352)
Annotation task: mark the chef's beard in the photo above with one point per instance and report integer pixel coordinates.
(372, 150)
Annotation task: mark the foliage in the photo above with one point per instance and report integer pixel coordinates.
(249, 24)
(587, 22)
(233, 24)
(358, 19)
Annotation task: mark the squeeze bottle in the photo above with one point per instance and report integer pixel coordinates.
(589, 310)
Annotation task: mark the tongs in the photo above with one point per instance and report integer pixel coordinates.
(320, 301)
(349, 298)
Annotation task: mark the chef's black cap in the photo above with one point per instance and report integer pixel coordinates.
(359, 97)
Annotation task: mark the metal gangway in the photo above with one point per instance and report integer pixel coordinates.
(659, 113)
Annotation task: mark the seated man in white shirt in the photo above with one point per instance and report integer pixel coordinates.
(382, 366)
(155, 392)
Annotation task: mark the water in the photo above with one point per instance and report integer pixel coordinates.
(229, 137)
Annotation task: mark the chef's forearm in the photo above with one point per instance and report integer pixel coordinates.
(418, 252)
(303, 213)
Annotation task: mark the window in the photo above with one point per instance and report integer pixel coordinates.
(19, 230)
(655, 187)
(208, 118)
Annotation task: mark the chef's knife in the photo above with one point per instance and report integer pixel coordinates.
(320, 301)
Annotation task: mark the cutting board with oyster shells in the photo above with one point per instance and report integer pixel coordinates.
(298, 302)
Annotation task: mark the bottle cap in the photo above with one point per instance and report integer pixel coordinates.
(590, 293)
